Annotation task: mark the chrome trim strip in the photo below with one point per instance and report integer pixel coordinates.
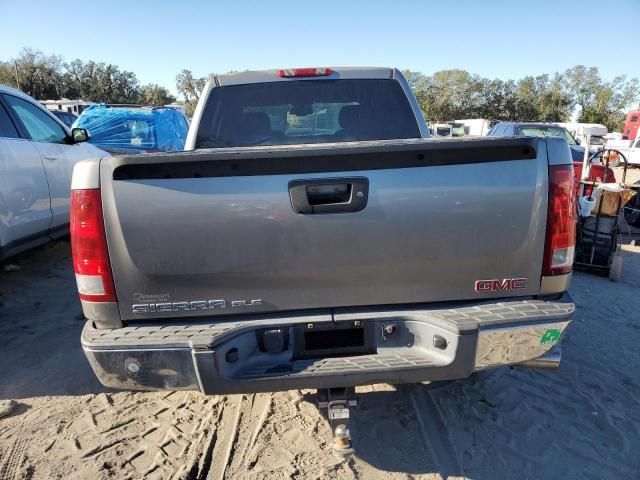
(137, 350)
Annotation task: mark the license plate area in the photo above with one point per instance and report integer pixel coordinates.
(333, 340)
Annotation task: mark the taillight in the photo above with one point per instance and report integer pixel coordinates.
(305, 72)
(562, 216)
(89, 247)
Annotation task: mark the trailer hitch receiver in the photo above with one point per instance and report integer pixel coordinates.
(338, 401)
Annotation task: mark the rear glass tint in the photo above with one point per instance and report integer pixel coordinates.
(311, 111)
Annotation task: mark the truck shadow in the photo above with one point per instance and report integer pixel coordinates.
(402, 431)
(508, 423)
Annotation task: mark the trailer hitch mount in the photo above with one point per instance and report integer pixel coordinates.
(338, 402)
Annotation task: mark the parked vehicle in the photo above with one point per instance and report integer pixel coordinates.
(632, 152)
(313, 237)
(631, 124)
(37, 155)
(522, 129)
(457, 129)
(475, 126)
(584, 131)
(441, 130)
(65, 117)
(127, 129)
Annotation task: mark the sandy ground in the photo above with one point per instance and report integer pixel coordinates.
(581, 421)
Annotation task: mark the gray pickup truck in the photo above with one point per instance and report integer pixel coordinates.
(314, 237)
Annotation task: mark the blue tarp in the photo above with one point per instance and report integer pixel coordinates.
(119, 129)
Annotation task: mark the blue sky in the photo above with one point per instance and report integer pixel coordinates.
(156, 39)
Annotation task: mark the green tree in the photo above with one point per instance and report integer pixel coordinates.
(456, 94)
(497, 99)
(39, 75)
(554, 101)
(420, 84)
(48, 77)
(601, 101)
(155, 95)
(7, 74)
(448, 94)
(542, 99)
(190, 88)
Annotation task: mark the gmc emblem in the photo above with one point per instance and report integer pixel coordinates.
(500, 285)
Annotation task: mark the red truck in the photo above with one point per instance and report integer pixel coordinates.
(630, 130)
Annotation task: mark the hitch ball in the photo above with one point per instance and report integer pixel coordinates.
(341, 437)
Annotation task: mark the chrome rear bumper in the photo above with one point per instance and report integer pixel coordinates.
(525, 345)
(551, 359)
(229, 356)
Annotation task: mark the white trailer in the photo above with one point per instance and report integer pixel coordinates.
(71, 106)
(581, 131)
(475, 126)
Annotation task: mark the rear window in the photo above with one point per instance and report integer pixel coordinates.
(533, 131)
(306, 111)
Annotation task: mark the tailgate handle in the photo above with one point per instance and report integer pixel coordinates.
(329, 195)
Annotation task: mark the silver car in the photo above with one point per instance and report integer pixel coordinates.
(37, 155)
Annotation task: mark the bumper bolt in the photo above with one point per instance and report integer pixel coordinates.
(132, 366)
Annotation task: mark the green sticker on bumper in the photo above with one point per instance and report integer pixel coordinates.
(550, 337)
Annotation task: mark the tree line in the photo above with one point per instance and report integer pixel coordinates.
(443, 96)
(456, 94)
(51, 78)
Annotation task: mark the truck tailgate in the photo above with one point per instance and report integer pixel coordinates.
(214, 232)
